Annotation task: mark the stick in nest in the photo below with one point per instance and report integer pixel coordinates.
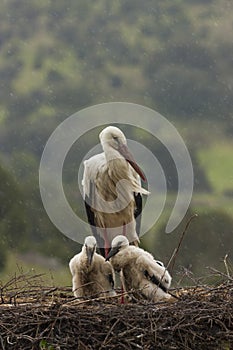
(175, 253)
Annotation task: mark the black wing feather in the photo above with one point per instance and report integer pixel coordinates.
(155, 280)
(91, 220)
(138, 211)
(111, 280)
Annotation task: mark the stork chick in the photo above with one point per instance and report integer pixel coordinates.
(92, 276)
(140, 272)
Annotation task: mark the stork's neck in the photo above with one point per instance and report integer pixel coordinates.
(85, 258)
(111, 153)
(120, 260)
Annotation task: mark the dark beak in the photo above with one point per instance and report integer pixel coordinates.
(125, 152)
(112, 252)
(90, 253)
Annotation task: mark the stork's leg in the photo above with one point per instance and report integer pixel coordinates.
(122, 294)
(122, 288)
(106, 243)
(124, 230)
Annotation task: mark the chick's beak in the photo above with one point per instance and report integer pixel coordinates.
(90, 253)
(112, 252)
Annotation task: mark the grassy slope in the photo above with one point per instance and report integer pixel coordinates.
(217, 160)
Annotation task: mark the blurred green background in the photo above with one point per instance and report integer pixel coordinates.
(57, 57)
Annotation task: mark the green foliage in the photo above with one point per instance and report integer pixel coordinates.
(218, 162)
(44, 345)
(11, 210)
(69, 56)
(12, 220)
(3, 255)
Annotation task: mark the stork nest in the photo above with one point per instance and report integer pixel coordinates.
(33, 316)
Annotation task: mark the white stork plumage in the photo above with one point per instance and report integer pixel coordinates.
(112, 190)
(139, 271)
(92, 276)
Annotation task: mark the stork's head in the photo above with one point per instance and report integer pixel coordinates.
(119, 243)
(90, 248)
(113, 138)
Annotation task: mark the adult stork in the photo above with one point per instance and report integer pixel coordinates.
(112, 190)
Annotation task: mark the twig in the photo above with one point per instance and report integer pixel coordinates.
(91, 300)
(109, 333)
(220, 273)
(2, 343)
(226, 266)
(172, 260)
